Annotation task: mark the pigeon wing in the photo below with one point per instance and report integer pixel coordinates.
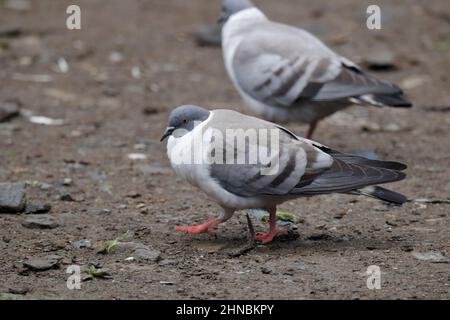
(279, 65)
(247, 175)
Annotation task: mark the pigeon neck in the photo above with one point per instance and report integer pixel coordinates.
(247, 17)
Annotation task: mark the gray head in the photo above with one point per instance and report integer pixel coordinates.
(185, 118)
(230, 7)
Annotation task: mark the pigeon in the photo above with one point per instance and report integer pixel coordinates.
(243, 162)
(286, 74)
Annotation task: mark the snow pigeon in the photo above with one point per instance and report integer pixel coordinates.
(243, 162)
(286, 74)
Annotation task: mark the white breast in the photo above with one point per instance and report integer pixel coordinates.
(185, 154)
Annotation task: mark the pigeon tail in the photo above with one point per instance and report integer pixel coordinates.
(355, 175)
(383, 194)
(396, 100)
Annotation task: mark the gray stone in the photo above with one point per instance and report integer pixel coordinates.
(37, 208)
(12, 197)
(79, 244)
(67, 197)
(41, 221)
(127, 247)
(431, 256)
(147, 254)
(140, 251)
(9, 110)
(339, 215)
(42, 263)
(266, 270)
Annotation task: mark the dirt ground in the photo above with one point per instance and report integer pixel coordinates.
(129, 65)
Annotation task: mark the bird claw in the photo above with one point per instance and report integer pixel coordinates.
(265, 238)
(196, 230)
(201, 228)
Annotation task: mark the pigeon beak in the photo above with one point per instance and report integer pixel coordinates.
(168, 132)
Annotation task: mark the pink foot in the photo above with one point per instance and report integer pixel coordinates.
(201, 228)
(265, 238)
(196, 230)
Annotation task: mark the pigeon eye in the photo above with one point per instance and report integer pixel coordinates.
(185, 120)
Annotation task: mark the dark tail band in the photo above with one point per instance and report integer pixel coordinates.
(383, 194)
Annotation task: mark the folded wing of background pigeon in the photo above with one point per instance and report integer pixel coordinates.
(294, 65)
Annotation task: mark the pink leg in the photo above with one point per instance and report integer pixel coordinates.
(273, 231)
(201, 228)
(311, 129)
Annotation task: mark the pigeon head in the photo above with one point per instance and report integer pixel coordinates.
(230, 7)
(184, 119)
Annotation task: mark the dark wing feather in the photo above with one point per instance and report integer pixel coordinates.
(382, 194)
(345, 177)
(348, 158)
(353, 82)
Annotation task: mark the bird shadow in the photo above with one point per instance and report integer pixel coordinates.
(318, 243)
